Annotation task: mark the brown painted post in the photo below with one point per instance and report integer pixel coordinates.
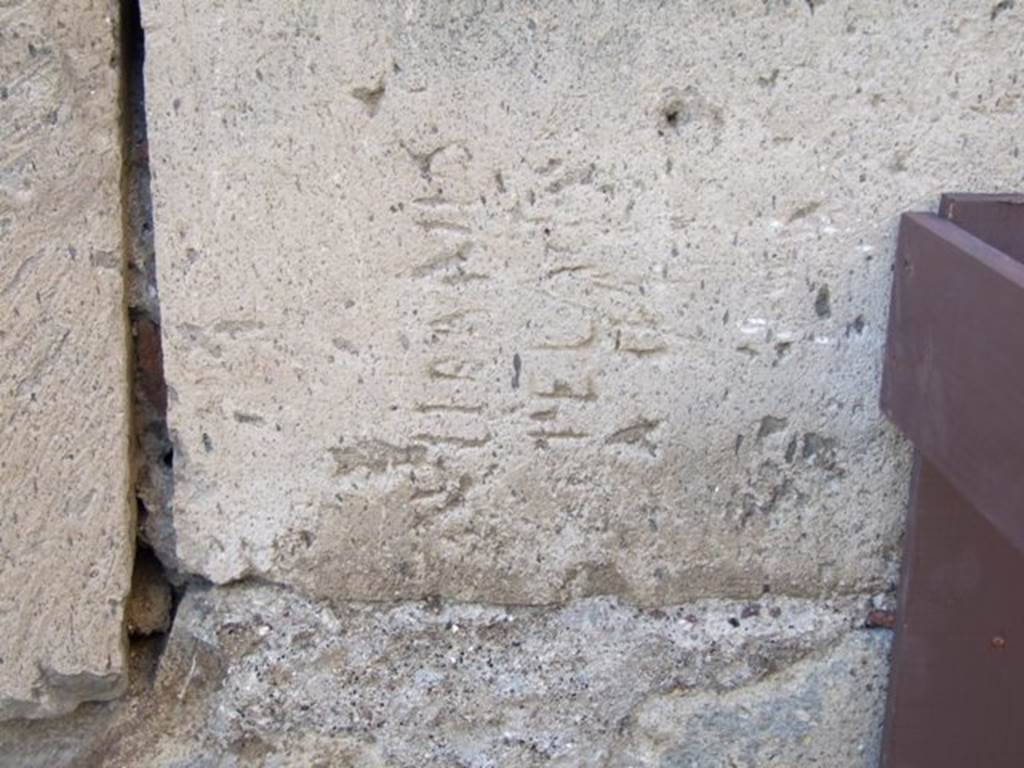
(954, 384)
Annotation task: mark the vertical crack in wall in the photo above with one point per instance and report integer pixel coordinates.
(152, 600)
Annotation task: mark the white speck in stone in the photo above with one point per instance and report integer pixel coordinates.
(753, 325)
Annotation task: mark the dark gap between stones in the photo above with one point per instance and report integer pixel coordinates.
(156, 585)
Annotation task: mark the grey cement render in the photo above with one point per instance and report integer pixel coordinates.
(257, 675)
(66, 525)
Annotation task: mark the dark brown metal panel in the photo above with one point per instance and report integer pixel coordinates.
(954, 374)
(954, 384)
(996, 219)
(955, 690)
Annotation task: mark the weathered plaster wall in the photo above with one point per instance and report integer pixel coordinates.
(521, 372)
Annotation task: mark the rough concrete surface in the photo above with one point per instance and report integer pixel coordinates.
(521, 371)
(260, 676)
(522, 302)
(65, 521)
(822, 712)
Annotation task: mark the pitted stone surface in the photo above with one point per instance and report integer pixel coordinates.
(519, 302)
(826, 711)
(260, 676)
(65, 520)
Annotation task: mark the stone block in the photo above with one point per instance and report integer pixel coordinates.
(524, 302)
(66, 535)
